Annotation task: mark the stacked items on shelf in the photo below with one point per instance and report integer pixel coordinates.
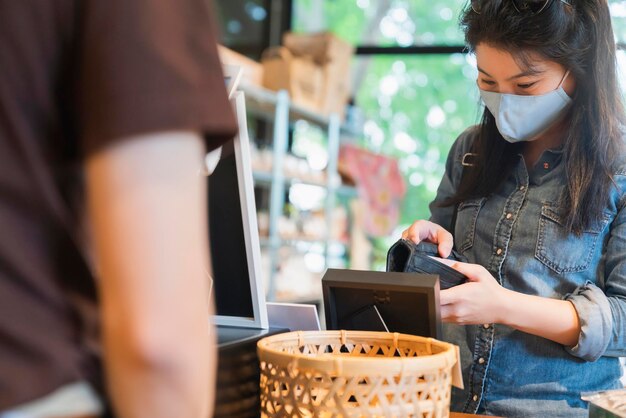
(302, 253)
(298, 243)
(303, 231)
(307, 226)
(296, 169)
(313, 68)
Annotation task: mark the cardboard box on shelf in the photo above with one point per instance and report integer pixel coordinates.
(324, 47)
(314, 68)
(252, 70)
(300, 76)
(334, 56)
(336, 90)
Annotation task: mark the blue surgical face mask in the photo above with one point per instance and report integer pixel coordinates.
(523, 118)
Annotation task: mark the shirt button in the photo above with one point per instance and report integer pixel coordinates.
(486, 326)
(499, 251)
(546, 165)
(509, 215)
(481, 360)
(475, 398)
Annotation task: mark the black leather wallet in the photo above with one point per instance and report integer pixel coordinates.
(406, 256)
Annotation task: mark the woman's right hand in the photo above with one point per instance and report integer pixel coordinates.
(427, 231)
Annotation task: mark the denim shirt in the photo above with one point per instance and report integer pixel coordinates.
(517, 234)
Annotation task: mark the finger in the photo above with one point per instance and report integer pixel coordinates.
(453, 314)
(449, 296)
(473, 272)
(424, 230)
(447, 313)
(445, 240)
(413, 232)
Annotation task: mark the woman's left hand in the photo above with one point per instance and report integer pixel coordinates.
(482, 300)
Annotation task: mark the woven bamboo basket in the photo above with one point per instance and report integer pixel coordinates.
(355, 374)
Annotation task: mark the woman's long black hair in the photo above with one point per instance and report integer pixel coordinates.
(580, 38)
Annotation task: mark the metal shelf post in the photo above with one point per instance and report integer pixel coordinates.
(332, 178)
(277, 196)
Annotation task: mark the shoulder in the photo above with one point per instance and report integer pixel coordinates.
(462, 145)
(464, 141)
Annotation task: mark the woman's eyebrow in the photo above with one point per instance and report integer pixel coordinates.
(526, 73)
(484, 72)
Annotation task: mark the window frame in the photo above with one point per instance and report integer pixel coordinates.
(287, 23)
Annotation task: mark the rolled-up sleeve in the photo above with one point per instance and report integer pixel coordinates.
(596, 322)
(602, 312)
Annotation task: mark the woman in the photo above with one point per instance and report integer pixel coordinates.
(535, 197)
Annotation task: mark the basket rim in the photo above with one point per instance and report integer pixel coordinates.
(357, 365)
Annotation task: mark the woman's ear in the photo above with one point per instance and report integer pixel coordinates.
(569, 85)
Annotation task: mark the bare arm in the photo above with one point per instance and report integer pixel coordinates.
(147, 206)
(553, 319)
(483, 300)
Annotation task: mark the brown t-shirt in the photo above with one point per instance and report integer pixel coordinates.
(76, 75)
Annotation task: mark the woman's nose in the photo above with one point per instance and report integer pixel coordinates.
(506, 89)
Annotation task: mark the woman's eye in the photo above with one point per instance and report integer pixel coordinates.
(488, 82)
(526, 85)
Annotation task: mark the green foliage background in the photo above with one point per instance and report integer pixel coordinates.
(426, 83)
(443, 84)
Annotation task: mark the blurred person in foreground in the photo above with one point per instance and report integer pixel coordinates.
(107, 109)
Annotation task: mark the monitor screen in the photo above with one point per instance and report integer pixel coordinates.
(233, 233)
(376, 301)
(227, 238)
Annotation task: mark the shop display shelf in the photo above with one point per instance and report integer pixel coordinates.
(277, 108)
(262, 103)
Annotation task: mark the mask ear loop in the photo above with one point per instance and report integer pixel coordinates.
(563, 80)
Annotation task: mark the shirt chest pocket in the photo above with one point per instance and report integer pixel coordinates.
(465, 227)
(560, 250)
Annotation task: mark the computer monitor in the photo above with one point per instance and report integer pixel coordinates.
(377, 301)
(232, 78)
(233, 233)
